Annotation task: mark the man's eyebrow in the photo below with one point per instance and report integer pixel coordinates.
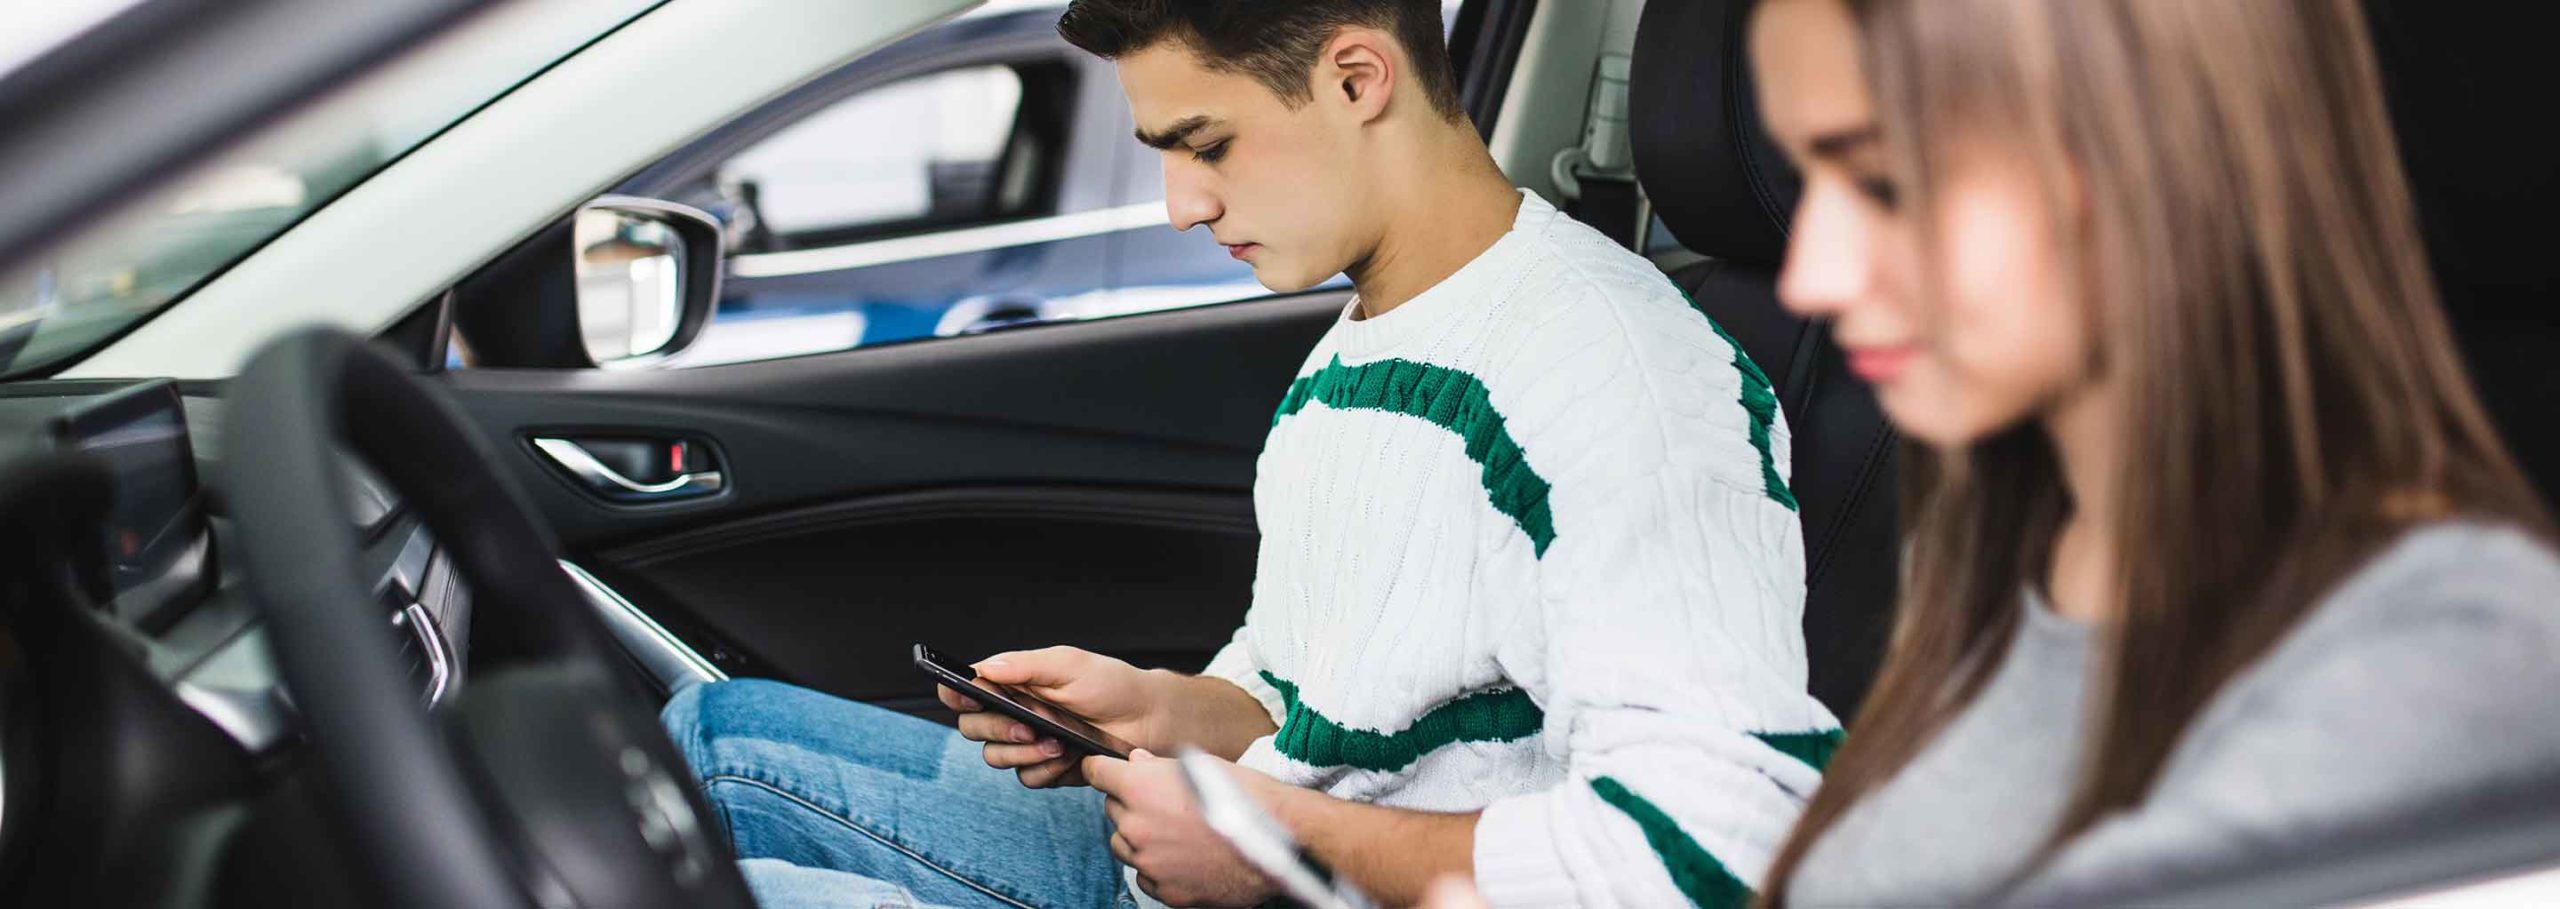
(1172, 136)
(1841, 142)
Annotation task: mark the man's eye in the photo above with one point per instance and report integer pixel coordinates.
(1209, 154)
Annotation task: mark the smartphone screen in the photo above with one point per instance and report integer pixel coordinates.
(1043, 717)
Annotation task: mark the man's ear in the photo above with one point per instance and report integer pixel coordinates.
(1359, 68)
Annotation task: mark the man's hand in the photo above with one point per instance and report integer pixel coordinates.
(1122, 699)
(1452, 892)
(1158, 831)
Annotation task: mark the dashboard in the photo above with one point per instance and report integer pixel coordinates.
(150, 749)
(161, 583)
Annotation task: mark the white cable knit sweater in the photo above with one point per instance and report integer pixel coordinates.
(1527, 547)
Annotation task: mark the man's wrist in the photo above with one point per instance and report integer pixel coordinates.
(1206, 711)
(1391, 854)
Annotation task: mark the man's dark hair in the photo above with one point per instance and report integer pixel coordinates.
(1274, 41)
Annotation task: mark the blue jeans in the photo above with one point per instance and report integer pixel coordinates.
(836, 803)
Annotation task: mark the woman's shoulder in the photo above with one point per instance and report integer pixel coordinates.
(2450, 570)
(2453, 628)
(2420, 681)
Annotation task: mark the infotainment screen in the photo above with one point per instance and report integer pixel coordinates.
(157, 547)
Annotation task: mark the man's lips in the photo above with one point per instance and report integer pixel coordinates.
(1880, 364)
(1241, 250)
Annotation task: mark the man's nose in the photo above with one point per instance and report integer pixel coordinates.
(1188, 201)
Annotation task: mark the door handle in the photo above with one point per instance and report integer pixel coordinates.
(604, 481)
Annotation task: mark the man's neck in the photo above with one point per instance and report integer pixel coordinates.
(1443, 209)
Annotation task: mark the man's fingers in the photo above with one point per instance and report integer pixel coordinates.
(1104, 773)
(1047, 667)
(952, 698)
(1452, 891)
(994, 727)
(1053, 773)
(1007, 757)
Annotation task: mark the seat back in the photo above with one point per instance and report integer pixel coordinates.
(1725, 191)
(2467, 92)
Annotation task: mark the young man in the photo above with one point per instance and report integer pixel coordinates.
(1529, 592)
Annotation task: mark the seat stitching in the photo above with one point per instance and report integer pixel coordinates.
(1878, 441)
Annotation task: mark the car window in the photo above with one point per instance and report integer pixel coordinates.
(59, 304)
(916, 153)
(1000, 192)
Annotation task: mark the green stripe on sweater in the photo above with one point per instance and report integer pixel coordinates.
(1308, 737)
(1453, 400)
(1698, 875)
(1813, 748)
(1760, 401)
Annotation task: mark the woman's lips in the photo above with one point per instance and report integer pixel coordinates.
(1878, 365)
(1241, 250)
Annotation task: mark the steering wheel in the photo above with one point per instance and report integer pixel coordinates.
(547, 781)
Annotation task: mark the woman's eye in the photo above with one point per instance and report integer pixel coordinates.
(1881, 190)
(1210, 154)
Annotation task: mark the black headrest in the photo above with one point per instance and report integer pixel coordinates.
(2463, 89)
(1712, 173)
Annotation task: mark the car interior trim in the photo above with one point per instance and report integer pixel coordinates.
(421, 623)
(609, 483)
(1542, 113)
(668, 660)
(255, 719)
(1050, 229)
(1187, 510)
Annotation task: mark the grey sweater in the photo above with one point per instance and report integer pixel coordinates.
(2432, 670)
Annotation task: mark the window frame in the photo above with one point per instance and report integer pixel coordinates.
(1047, 94)
(962, 44)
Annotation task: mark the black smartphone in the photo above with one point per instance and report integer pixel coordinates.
(1044, 718)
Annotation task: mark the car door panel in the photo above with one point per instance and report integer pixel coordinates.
(833, 594)
(1085, 483)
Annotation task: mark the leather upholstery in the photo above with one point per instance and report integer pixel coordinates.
(2467, 94)
(1724, 190)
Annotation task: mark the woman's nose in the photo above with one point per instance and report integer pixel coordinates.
(1830, 255)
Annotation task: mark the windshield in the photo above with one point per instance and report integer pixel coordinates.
(92, 286)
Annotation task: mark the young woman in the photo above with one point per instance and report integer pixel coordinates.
(2211, 546)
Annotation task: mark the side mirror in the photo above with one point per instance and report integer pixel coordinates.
(648, 277)
(621, 282)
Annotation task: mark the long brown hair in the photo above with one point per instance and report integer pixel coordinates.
(2293, 398)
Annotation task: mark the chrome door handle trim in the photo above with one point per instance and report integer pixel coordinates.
(668, 660)
(421, 623)
(611, 484)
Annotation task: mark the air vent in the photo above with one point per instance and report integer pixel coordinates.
(423, 652)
